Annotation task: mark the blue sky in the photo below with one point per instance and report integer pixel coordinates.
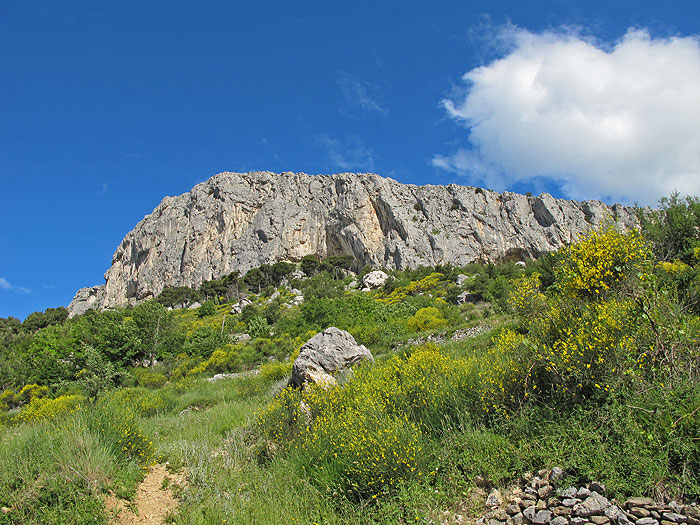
(106, 107)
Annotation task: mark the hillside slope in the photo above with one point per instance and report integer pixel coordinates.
(237, 221)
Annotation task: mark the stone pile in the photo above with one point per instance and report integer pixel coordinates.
(538, 502)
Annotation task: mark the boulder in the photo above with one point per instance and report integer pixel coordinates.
(326, 354)
(375, 279)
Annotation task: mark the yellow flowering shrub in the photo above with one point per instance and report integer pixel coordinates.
(599, 261)
(502, 373)
(116, 418)
(429, 318)
(366, 436)
(525, 298)
(430, 283)
(579, 349)
(44, 409)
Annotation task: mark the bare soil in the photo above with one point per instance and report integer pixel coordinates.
(154, 500)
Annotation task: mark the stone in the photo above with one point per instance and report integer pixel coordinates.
(512, 509)
(468, 297)
(569, 492)
(238, 221)
(545, 491)
(561, 511)
(638, 502)
(557, 473)
(600, 520)
(530, 513)
(570, 502)
(578, 521)
(560, 520)
(583, 493)
(692, 511)
(674, 517)
(542, 517)
(195, 305)
(375, 279)
(615, 514)
(595, 504)
(325, 354)
(518, 519)
(238, 307)
(597, 487)
(647, 521)
(493, 521)
(541, 504)
(639, 512)
(494, 499)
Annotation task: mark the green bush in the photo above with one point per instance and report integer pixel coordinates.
(149, 378)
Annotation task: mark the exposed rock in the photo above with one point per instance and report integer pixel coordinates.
(595, 504)
(542, 517)
(238, 307)
(238, 221)
(494, 499)
(638, 502)
(325, 354)
(375, 279)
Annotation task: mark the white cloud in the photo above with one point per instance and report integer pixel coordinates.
(6, 285)
(359, 96)
(620, 122)
(348, 154)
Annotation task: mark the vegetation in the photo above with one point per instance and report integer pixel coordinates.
(586, 359)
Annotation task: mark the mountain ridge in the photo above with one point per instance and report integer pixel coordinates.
(237, 221)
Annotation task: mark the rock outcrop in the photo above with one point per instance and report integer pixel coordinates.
(326, 354)
(237, 221)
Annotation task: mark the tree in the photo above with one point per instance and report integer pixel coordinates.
(155, 330)
(309, 264)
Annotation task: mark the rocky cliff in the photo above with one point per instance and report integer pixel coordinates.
(237, 221)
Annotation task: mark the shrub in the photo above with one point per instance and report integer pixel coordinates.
(149, 378)
(206, 309)
(600, 261)
(43, 409)
(429, 318)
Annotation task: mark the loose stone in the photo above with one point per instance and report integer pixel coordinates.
(542, 517)
(640, 512)
(647, 521)
(560, 521)
(639, 502)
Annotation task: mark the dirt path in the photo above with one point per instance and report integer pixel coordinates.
(154, 500)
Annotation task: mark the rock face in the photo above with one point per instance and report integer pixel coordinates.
(238, 221)
(328, 352)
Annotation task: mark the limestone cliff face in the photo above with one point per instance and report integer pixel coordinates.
(237, 221)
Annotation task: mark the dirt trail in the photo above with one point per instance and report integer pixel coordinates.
(154, 500)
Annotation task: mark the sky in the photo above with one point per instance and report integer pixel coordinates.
(106, 107)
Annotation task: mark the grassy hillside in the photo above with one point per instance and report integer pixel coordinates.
(586, 359)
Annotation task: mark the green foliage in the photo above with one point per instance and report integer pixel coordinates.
(673, 229)
(206, 309)
(98, 375)
(425, 319)
(258, 327)
(38, 320)
(309, 264)
(173, 296)
(149, 378)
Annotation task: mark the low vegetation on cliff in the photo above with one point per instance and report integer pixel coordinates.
(585, 359)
